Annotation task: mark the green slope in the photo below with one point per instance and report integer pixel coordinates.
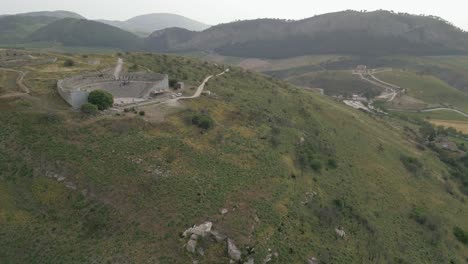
(14, 29)
(140, 184)
(76, 32)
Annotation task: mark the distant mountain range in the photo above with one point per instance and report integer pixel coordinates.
(350, 32)
(347, 32)
(146, 24)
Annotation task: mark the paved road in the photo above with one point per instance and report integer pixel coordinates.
(430, 110)
(390, 89)
(174, 101)
(201, 87)
(118, 68)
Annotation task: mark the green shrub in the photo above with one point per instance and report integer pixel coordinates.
(461, 235)
(141, 113)
(316, 165)
(412, 164)
(332, 164)
(101, 99)
(203, 121)
(89, 109)
(69, 63)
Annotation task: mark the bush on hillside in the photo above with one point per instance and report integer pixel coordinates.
(89, 109)
(203, 121)
(461, 235)
(412, 164)
(69, 63)
(101, 99)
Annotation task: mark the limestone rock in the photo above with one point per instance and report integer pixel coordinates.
(202, 230)
(340, 232)
(218, 236)
(250, 261)
(233, 252)
(312, 260)
(223, 211)
(192, 244)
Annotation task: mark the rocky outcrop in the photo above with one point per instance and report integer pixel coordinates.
(312, 260)
(233, 252)
(202, 230)
(340, 232)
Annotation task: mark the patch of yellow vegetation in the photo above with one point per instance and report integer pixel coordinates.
(281, 208)
(458, 125)
(244, 131)
(48, 191)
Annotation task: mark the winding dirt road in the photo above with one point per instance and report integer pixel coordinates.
(19, 82)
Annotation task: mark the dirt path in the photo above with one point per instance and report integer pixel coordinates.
(19, 82)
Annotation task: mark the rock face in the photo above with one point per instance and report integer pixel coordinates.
(233, 252)
(340, 232)
(312, 260)
(250, 261)
(192, 243)
(202, 230)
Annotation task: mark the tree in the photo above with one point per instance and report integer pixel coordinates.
(101, 99)
(89, 109)
(203, 121)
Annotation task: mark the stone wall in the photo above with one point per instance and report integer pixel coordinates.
(75, 90)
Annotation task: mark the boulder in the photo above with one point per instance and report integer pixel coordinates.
(233, 252)
(192, 244)
(202, 230)
(340, 232)
(223, 211)
(250, 261)
(312, 260)
(218, 236)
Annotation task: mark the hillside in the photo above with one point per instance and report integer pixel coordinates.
(56, 14)
(15, 29)
(289, 165)
(80, 32)
(146, 24)
(347, 32)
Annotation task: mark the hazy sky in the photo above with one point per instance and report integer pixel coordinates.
(217, 11)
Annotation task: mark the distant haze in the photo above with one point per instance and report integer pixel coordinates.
(219, 11)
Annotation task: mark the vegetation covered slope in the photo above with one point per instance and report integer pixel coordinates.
(346, 32)
(290, 166)
(80, 32)
(56, 14)
(146, 24)
(15, 29)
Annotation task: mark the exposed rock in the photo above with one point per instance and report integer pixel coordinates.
(312, 260)
(200, 251)
(223, 211)
(192, 243)
(233, 252)
(202, 230)
(340, 232)
(250, 261)
(268, 258)
(218, 236)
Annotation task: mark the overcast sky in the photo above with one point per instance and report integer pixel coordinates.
(218, 11)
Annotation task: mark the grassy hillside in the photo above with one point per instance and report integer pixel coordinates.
(428, 89)
(76, 32)
(14, 29)
(288, 164)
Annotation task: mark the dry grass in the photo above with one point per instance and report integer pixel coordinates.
(458, 125)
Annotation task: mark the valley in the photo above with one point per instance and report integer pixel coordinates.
(338, 138)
